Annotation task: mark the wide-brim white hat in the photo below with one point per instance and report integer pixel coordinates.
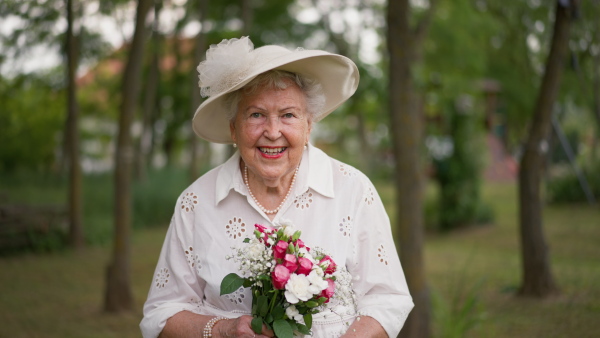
(234, 63)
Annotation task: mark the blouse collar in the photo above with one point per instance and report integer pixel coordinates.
(315, 173)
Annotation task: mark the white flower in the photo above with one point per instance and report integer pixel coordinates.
(306, 254)
(255, 250)
(294, 314)
(296, 289)
(225, 65)
(286, 223)
(317, 283)
(318, 271)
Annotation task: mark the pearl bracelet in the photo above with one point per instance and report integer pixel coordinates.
(207, 332)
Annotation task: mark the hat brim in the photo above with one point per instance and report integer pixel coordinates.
(337, 75)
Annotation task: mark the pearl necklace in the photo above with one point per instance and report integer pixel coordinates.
(260, 206)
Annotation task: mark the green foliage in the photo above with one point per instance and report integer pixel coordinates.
(153, 201)
(566, 188)
(43, 23)
(457, 316)
(31, 119)
(231, 283)
(459, 172)
(50, 241)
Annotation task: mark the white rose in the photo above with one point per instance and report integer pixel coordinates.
(296, 289)
(317, 283)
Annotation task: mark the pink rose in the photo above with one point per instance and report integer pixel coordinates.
(280, 249)
(280, 276)
(305, 266)
(329, 265)
(264, 229)
(290, 262)
(328, 293)
(300, 244)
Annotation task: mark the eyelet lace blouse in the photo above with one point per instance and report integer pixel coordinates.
(334, 205)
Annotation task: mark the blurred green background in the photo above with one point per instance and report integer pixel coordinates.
(479, 74)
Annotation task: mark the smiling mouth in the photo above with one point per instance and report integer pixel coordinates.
(272, 151)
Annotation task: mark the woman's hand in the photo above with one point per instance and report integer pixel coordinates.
(239, 327)
(365, 326)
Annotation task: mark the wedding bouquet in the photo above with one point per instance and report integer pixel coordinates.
(289, 281)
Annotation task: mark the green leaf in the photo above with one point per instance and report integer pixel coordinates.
(269, 318)
(283, 329)
(308, 321)
(257, 324)
(296, 235)
(303, 329)
(246, 240)
(230, 283)
(262, 304)
(278, 312)
(311, 303)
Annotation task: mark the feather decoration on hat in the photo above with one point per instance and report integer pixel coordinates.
(225, 66)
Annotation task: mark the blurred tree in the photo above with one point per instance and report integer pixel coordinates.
(405, 48)
(512, 61)
(150, 98)
(582, 84)
(199, 51)
(32, 112)
(118, 295)
(76, 237)
(459, 173)
(37, 24)
(455, 64)
(537, 275)
(346, 28)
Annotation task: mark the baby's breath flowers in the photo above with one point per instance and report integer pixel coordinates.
(289, 281)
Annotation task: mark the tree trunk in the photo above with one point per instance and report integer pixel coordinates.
(118, 296)
(199, 51)
(76, 237)
(150, 102)
(406, 137)
(247, 16)
(596, 95)
(537, 276)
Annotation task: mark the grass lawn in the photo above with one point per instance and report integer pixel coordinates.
(61, 294)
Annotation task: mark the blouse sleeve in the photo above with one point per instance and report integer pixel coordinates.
(175, 286)
(378, 279)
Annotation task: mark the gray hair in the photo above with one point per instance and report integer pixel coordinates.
(312, 89)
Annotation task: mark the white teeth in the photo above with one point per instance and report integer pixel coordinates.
(272, 151)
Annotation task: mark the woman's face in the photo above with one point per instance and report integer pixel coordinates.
(271, 128)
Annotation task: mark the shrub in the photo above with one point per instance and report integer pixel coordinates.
(458, 173)
(566, 188)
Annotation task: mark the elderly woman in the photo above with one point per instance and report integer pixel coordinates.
(265, 101)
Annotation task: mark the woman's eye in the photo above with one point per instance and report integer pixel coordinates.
(255, 115)
(288, 115)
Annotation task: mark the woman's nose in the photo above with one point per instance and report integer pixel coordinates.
(273, 128)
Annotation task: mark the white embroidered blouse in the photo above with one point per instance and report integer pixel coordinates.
(334, 205)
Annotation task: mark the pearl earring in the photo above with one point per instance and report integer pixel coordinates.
(235, 145)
